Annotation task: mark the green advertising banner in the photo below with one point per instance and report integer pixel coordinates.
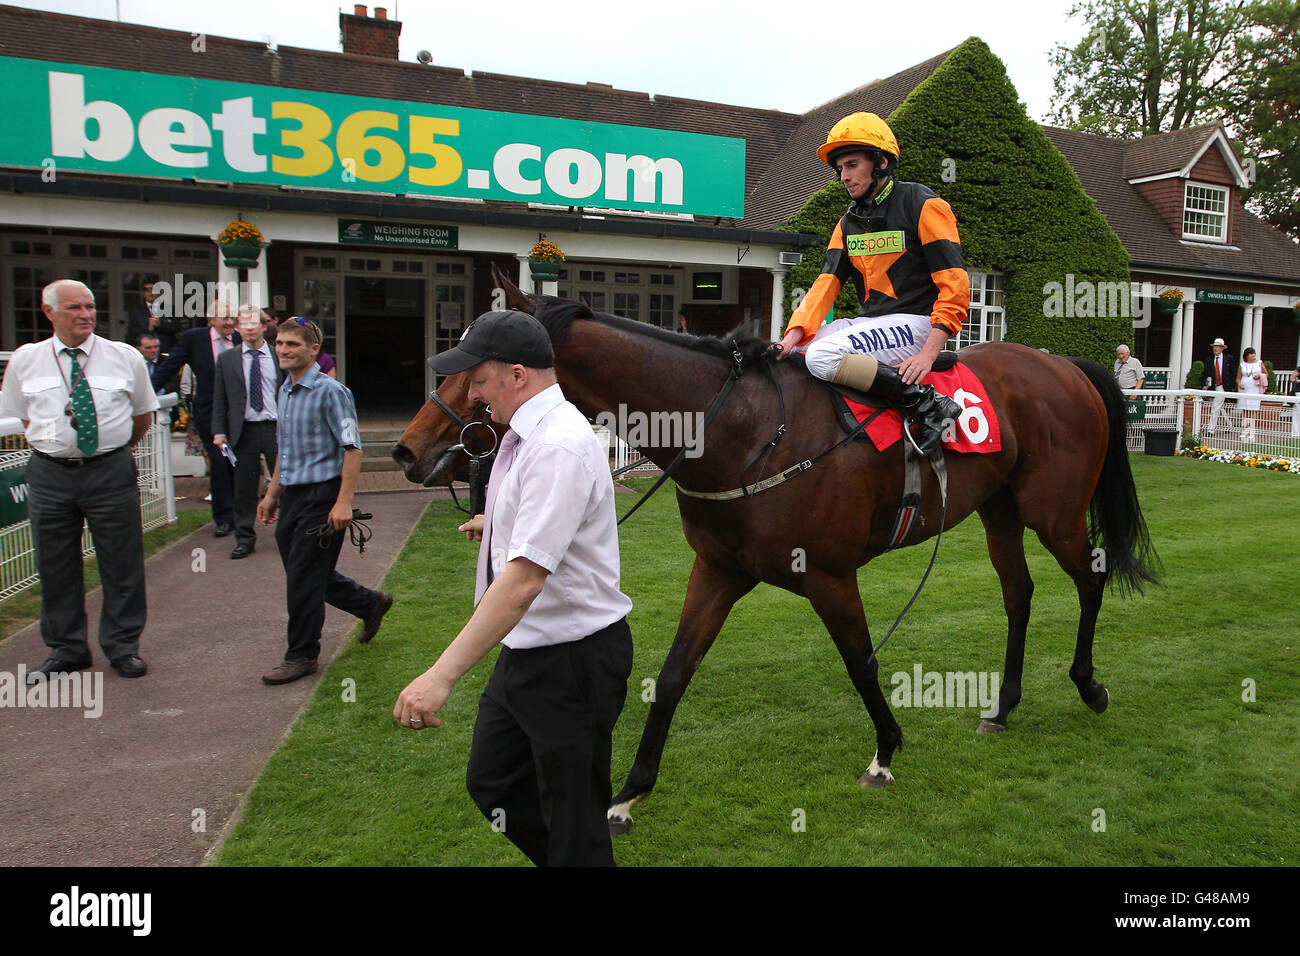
(1137, 409)
(13, 496)
(145, 124)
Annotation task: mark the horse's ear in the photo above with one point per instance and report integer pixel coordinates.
(515, 297)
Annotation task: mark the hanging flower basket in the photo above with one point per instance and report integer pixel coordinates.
(544, 261)
(1168, 302)
(241, 244)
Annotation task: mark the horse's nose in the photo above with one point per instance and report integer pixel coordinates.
(403, 455)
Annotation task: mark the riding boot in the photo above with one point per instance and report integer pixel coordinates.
(932, 411)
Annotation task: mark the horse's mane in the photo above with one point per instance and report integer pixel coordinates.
(558, 315)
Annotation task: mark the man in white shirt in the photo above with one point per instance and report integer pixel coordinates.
(87, 401)
(548, 591)
(1128, 370)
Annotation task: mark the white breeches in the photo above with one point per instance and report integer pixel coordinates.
(888, 338)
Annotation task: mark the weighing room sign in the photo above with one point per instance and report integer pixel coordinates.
(387, 233)
(144, 124)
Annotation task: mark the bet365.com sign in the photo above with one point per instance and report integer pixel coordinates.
(143, 124)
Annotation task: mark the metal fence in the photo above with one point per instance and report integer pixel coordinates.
(1187, 412)
(153, 459)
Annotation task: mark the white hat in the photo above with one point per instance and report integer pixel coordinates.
(1218, 342)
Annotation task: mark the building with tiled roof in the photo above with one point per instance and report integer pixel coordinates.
(387, 190)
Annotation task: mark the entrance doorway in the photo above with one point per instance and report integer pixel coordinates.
(385, 342)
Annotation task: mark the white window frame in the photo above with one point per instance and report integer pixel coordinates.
(1203, 212)
(986, 321)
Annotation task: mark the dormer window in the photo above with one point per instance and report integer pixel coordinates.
(1205, 213)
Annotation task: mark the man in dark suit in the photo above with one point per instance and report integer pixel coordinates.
(198, 348)
(145, 317)
(1220, 376)
(243, 418)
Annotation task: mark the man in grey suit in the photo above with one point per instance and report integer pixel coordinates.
(243, 418)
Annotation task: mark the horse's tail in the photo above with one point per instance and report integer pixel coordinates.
(1115, 522)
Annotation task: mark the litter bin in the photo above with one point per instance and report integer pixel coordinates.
(1160, 441)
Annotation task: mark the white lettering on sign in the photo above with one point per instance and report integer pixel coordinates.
(505, 167)
(646, 173)
(368, 145)
(69, 112)
(559, 173)
(238, 126)
(160, 135)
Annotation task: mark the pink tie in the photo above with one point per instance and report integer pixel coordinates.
(505, 457)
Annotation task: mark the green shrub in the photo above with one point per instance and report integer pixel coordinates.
(1020, 208)
(1195, 375)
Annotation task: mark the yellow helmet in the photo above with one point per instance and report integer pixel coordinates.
(865, 130)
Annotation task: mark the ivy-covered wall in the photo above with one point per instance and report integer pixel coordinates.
(1020, 209)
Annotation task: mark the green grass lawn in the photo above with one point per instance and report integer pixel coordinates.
(1180, 769)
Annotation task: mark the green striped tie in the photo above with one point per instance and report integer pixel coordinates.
(83, 409)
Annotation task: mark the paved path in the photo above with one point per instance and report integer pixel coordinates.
(195, 732)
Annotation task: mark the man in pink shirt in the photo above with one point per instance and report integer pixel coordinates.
(548, 591)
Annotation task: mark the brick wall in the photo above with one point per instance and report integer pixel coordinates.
(369, 36)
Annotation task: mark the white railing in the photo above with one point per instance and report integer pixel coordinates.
(1188, 412)
(153, 459)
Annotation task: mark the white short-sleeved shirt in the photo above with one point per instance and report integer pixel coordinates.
(36, 386)
(555, 507)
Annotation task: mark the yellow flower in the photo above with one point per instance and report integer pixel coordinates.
(545, 251)
(240, 231)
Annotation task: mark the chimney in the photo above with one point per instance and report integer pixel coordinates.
(369, 36)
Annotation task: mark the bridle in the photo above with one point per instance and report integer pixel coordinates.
(477, 482)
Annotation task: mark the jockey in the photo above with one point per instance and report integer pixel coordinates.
(898, 243)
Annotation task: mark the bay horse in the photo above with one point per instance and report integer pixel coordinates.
(1063, 472)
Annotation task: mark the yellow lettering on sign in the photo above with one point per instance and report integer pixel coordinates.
(447, 164)
(314, 126)
(355, 142)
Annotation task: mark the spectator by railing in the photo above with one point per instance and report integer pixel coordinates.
(153, 459)
(1187, 411)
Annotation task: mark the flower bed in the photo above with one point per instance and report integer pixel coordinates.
(1206, 453)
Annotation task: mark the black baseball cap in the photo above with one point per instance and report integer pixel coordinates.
(512, 336)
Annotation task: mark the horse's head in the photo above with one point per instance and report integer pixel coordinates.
(434, 445)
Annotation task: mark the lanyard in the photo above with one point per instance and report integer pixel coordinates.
(81, 373)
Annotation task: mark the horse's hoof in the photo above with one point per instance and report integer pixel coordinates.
(989, 727)
(876, 777)
(875, 781)
(619, 825)
(1099, 703)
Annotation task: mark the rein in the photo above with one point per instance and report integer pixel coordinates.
(733, 376)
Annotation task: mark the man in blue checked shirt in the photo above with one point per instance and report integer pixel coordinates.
(315, 477)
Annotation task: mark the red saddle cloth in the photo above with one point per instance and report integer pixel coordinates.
(976, 429)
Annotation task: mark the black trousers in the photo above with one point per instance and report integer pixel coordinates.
(104, 495)
(220, 479)
(309, 576)
(256, 441)
(539, 763)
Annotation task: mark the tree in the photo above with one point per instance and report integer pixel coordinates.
(1021, 209)
(1145, 66)
(1263, 100)
(1152, 66)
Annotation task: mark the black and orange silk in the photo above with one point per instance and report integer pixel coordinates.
(903, 254)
